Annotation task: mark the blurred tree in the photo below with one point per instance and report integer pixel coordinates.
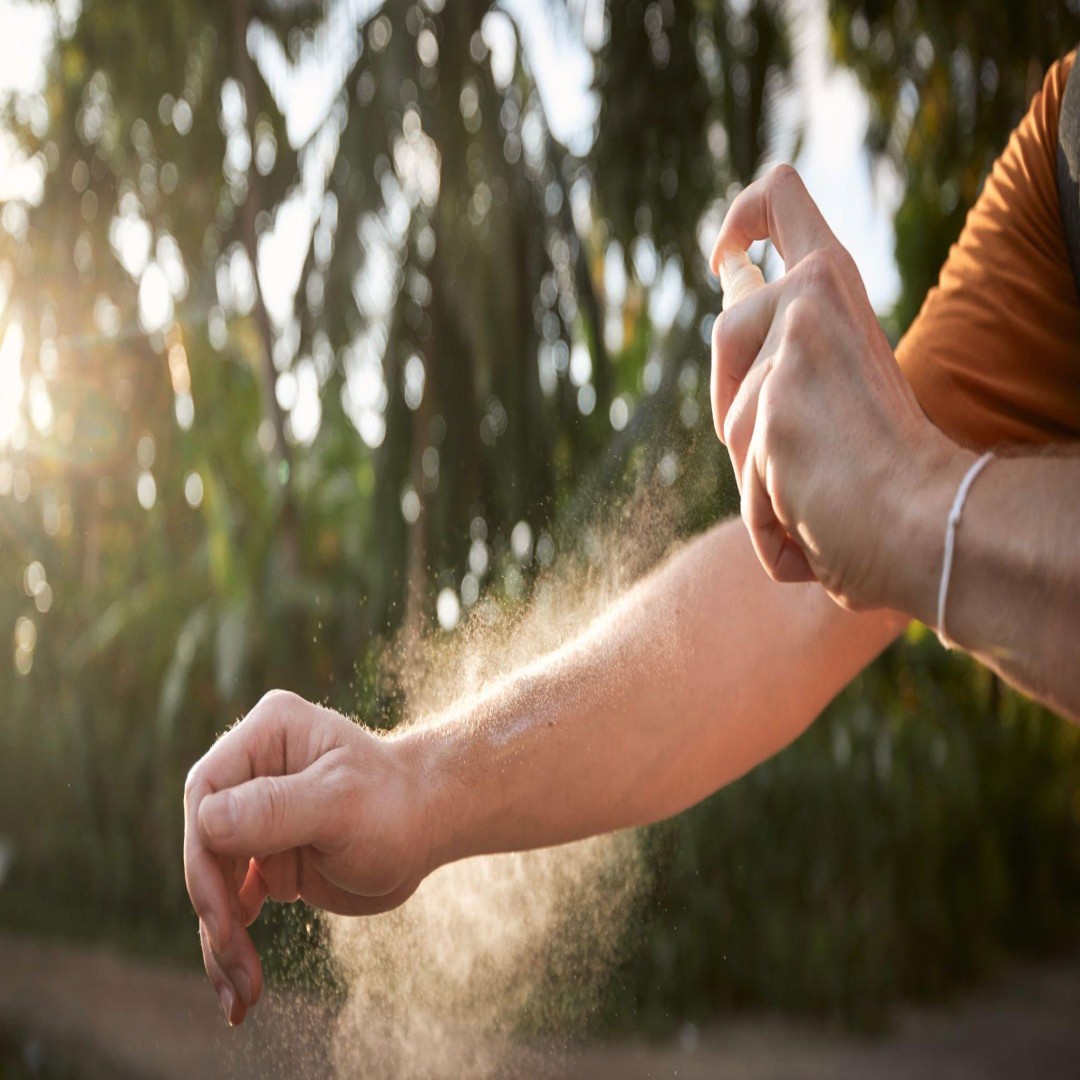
(494, 328)
(947, 84)
(451, 335)
(147, 179)
(495, 333)
(695, 118)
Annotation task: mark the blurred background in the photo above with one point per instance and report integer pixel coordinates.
(322, 322)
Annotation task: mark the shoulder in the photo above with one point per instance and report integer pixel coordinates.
(1006, 295)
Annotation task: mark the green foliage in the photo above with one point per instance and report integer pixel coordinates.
(923, 824)
(698, 123)
(946, 84)
(290, 561)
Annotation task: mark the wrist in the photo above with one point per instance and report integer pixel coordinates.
(916, 521)
(426, 758)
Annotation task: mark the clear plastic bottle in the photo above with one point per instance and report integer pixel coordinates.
(738, 277)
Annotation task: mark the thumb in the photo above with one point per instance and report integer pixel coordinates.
(264, 816)
(774, 207)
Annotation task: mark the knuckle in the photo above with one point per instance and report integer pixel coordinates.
(340, 804)
(775, 422)
(818, 269)
(277, 701)
(829, 268)
(784, 175)
(192, 783)
(276, 799)
(800, 321)
(844, 263)
(272, 717)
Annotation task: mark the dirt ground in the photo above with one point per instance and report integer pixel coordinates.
(93, 1013)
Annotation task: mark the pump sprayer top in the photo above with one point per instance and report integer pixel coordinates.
(738, 277)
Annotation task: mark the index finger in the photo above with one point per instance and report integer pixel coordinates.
(774, 207)
(229, 762)
(739, 337)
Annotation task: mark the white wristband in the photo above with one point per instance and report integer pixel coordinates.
(950, 544)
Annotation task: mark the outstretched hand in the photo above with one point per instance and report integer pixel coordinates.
(828, 443)
(296, 802)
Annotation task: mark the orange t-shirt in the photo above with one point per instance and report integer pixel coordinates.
(994, 354)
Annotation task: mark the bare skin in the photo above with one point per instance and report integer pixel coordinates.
(648, 711)
(709, 666)
(844, 480)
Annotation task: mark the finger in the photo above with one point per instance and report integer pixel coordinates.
(212, 881)
(742, 418)
(281, 873)
(239, 870)
(774, 207)
(256, 743)
(231, 1005)
(739, 337)
(266, 815)
(206, 882)
(240, 965)
(319, 890)
(792, 566)
(253, 894)
(780, 556)
(254, 747)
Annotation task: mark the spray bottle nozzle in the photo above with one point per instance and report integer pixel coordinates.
(738, 277)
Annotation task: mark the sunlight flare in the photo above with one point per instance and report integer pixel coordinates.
(12, 386)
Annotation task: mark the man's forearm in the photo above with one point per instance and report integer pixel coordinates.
(699, 673)
(1014, 596)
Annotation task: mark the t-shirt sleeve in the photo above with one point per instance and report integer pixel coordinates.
(995, 341)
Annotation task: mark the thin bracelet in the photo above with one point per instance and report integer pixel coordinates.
(950, 544)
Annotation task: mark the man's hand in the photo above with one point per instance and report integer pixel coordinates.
(296, 802)
(828, 443)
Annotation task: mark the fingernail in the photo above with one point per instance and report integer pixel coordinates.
(242, 983)
(219, 816)
(227, 1001)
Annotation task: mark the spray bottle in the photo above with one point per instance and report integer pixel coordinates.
(739, 277)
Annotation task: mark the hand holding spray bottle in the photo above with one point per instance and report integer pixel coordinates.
(739, 277)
